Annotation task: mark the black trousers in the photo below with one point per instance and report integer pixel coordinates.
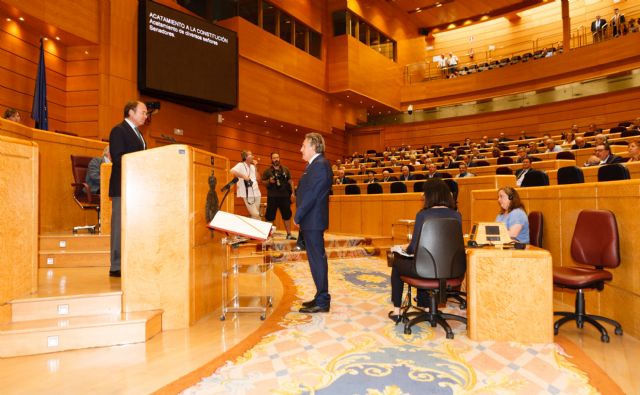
(404, 266)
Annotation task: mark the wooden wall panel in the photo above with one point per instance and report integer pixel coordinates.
(58, 212)
(19, 211)
(384, 17)
(310, 12)
(379, 82)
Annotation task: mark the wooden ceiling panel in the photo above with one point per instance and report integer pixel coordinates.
(439, 13)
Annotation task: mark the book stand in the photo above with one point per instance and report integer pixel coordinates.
(243, 229)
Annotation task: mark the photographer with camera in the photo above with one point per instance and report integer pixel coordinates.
(247, 187)
(279, 192)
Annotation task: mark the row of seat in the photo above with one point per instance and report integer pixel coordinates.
(574, 175)
(375, 188)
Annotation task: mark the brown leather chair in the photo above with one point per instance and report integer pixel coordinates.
(594, 244)
(535, 228)
(81, 192)
(441, 263)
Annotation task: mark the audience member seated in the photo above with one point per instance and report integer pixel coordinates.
(634, 152)
(93, 170)
(447, 163)
(371, 177)
(603, 152)
(551, 146)
(438, 203)
(12, 114)
(496, 153)
(513, 214)
(521, 154)
(387, 177)
(532, 148)
(592, 130)
(599, 139)
(580, 143)
(406, 174)
(520, 173)
(569, 137)
(475, 154)
(342, 179)
(432, 172)
(523, 135)
(463, 171)
(503, 138)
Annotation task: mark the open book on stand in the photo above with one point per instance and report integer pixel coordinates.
(241, 226)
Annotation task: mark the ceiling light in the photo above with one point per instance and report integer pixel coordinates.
(8, 19)
(21, 18)
(58, 38)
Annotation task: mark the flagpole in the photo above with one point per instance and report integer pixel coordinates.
(39, 111)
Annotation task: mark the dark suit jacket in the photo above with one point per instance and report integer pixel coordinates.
(613, 159)
(391, 179)
(122, 140)
(312, 197)
(599, 28)
(435, 175)
(586, 145)
(518, 172)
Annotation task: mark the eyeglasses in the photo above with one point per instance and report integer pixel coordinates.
(598, 149)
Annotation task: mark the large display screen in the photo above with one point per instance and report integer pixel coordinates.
(186, 60)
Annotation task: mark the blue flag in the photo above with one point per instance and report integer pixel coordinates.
(39, 108)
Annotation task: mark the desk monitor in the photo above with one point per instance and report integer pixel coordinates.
(489, 233)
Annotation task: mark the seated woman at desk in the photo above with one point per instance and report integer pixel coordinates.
(438, 203)
(512, 214)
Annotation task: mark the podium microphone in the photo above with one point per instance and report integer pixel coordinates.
(228, 186)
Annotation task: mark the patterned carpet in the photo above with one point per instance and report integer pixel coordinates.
(356, 349)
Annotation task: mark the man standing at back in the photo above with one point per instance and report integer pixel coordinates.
(125, 138)
(312, 215)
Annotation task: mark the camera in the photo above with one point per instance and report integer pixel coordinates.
(280, 178)
(248, 183)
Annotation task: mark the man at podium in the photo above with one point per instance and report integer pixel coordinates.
(312, 215)
(125, 138)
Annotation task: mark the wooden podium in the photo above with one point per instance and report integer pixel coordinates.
(170, 259)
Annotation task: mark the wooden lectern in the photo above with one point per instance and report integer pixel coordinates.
(170, 259)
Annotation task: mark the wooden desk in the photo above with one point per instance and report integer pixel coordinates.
(510, 295)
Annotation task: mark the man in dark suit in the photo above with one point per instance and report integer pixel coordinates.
(433, 171)
(580, 143)
(387, 177)
(125, 138)
(343, 179)
(312, 215)
(603, 152)
(597, 29)
(520, 173)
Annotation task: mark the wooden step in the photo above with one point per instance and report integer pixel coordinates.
(332, 253)
(72, 333)
(69, 242)
(39, 308)
(57, 259)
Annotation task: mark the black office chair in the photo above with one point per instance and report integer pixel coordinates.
(441, 264)
(570, 175)
(374, 188)
(535, 159)
(535, 178)
(504, 170)
(629, 133)
(351, 189)
(417, 186)
(480, 163)
(613, 172)
(617, 129)
(398, 187)
(565, 155)
(504, 160)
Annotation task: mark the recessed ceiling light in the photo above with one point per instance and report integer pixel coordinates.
(58, 38)
(8, 19)
(45, 39)
(86, 52)
(21, 18)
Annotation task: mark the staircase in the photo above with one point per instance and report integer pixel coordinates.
(337, 247)
(84, 250)
(77, 306)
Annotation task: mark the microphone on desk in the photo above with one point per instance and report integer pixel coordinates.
(228, 186)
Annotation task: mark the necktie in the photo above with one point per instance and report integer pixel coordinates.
(144, 145)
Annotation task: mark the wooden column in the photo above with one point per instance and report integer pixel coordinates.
(566, 25)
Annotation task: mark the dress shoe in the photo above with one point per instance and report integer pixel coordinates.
(291, 237)
(314, 309)
(298, 248)
(310, 303)
(114, 273)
